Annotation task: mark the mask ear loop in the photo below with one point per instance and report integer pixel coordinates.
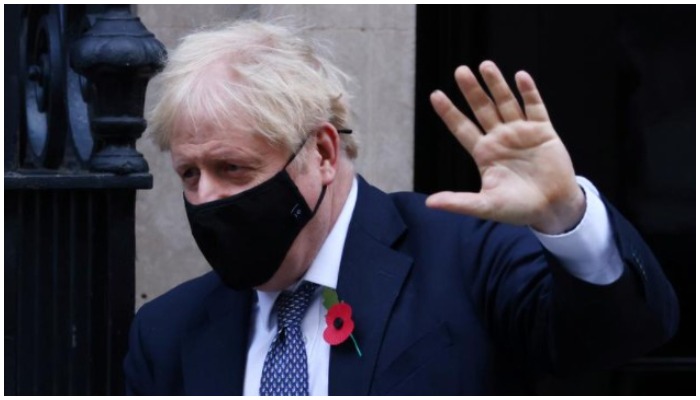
(320, 199)
(306, 139)
(323, 190)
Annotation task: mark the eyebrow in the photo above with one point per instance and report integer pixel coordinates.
(223, 153)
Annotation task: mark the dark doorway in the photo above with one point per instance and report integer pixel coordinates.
(619, 83)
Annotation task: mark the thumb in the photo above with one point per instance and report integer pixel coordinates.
(462, 203)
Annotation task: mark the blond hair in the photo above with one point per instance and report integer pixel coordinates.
(275, 82)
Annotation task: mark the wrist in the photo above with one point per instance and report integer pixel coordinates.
(563, 216)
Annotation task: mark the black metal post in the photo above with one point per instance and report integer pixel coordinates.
(71, 175)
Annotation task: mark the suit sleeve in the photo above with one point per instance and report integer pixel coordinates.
(545, 316)
(587, 251)
(137, 369)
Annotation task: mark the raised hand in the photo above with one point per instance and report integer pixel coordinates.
(526, 173)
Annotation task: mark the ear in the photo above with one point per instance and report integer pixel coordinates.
(328, 147)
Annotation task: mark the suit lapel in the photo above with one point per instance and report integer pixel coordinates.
(371, 276)
(214, 356)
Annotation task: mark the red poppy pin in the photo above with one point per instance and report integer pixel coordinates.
(339, 323)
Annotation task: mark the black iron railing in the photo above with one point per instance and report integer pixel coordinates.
(75, 83)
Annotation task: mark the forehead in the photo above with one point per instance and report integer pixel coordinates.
(201, 143)
(192, 132)
(194, 128)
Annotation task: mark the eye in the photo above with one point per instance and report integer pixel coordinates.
(189, 174)
(231, 167)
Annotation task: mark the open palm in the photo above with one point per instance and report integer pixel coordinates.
(526, 173)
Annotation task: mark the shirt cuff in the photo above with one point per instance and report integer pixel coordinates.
(588, 251)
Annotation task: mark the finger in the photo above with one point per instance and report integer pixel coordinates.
(466, 132)
(534, 106)
(507, 104)
(474, 204)
(484, 109)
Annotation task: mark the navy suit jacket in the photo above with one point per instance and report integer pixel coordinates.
(442, 303)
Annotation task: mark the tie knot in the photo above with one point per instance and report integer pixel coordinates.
(291, 306)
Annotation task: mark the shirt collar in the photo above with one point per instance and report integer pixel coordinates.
(325, 268)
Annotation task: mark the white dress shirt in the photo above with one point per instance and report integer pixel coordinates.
(324, 270)
(587, 252)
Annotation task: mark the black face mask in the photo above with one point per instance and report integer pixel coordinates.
(246, 237)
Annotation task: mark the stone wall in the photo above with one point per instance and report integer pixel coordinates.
(373, 44)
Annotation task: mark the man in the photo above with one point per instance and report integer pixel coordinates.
(459, 293)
